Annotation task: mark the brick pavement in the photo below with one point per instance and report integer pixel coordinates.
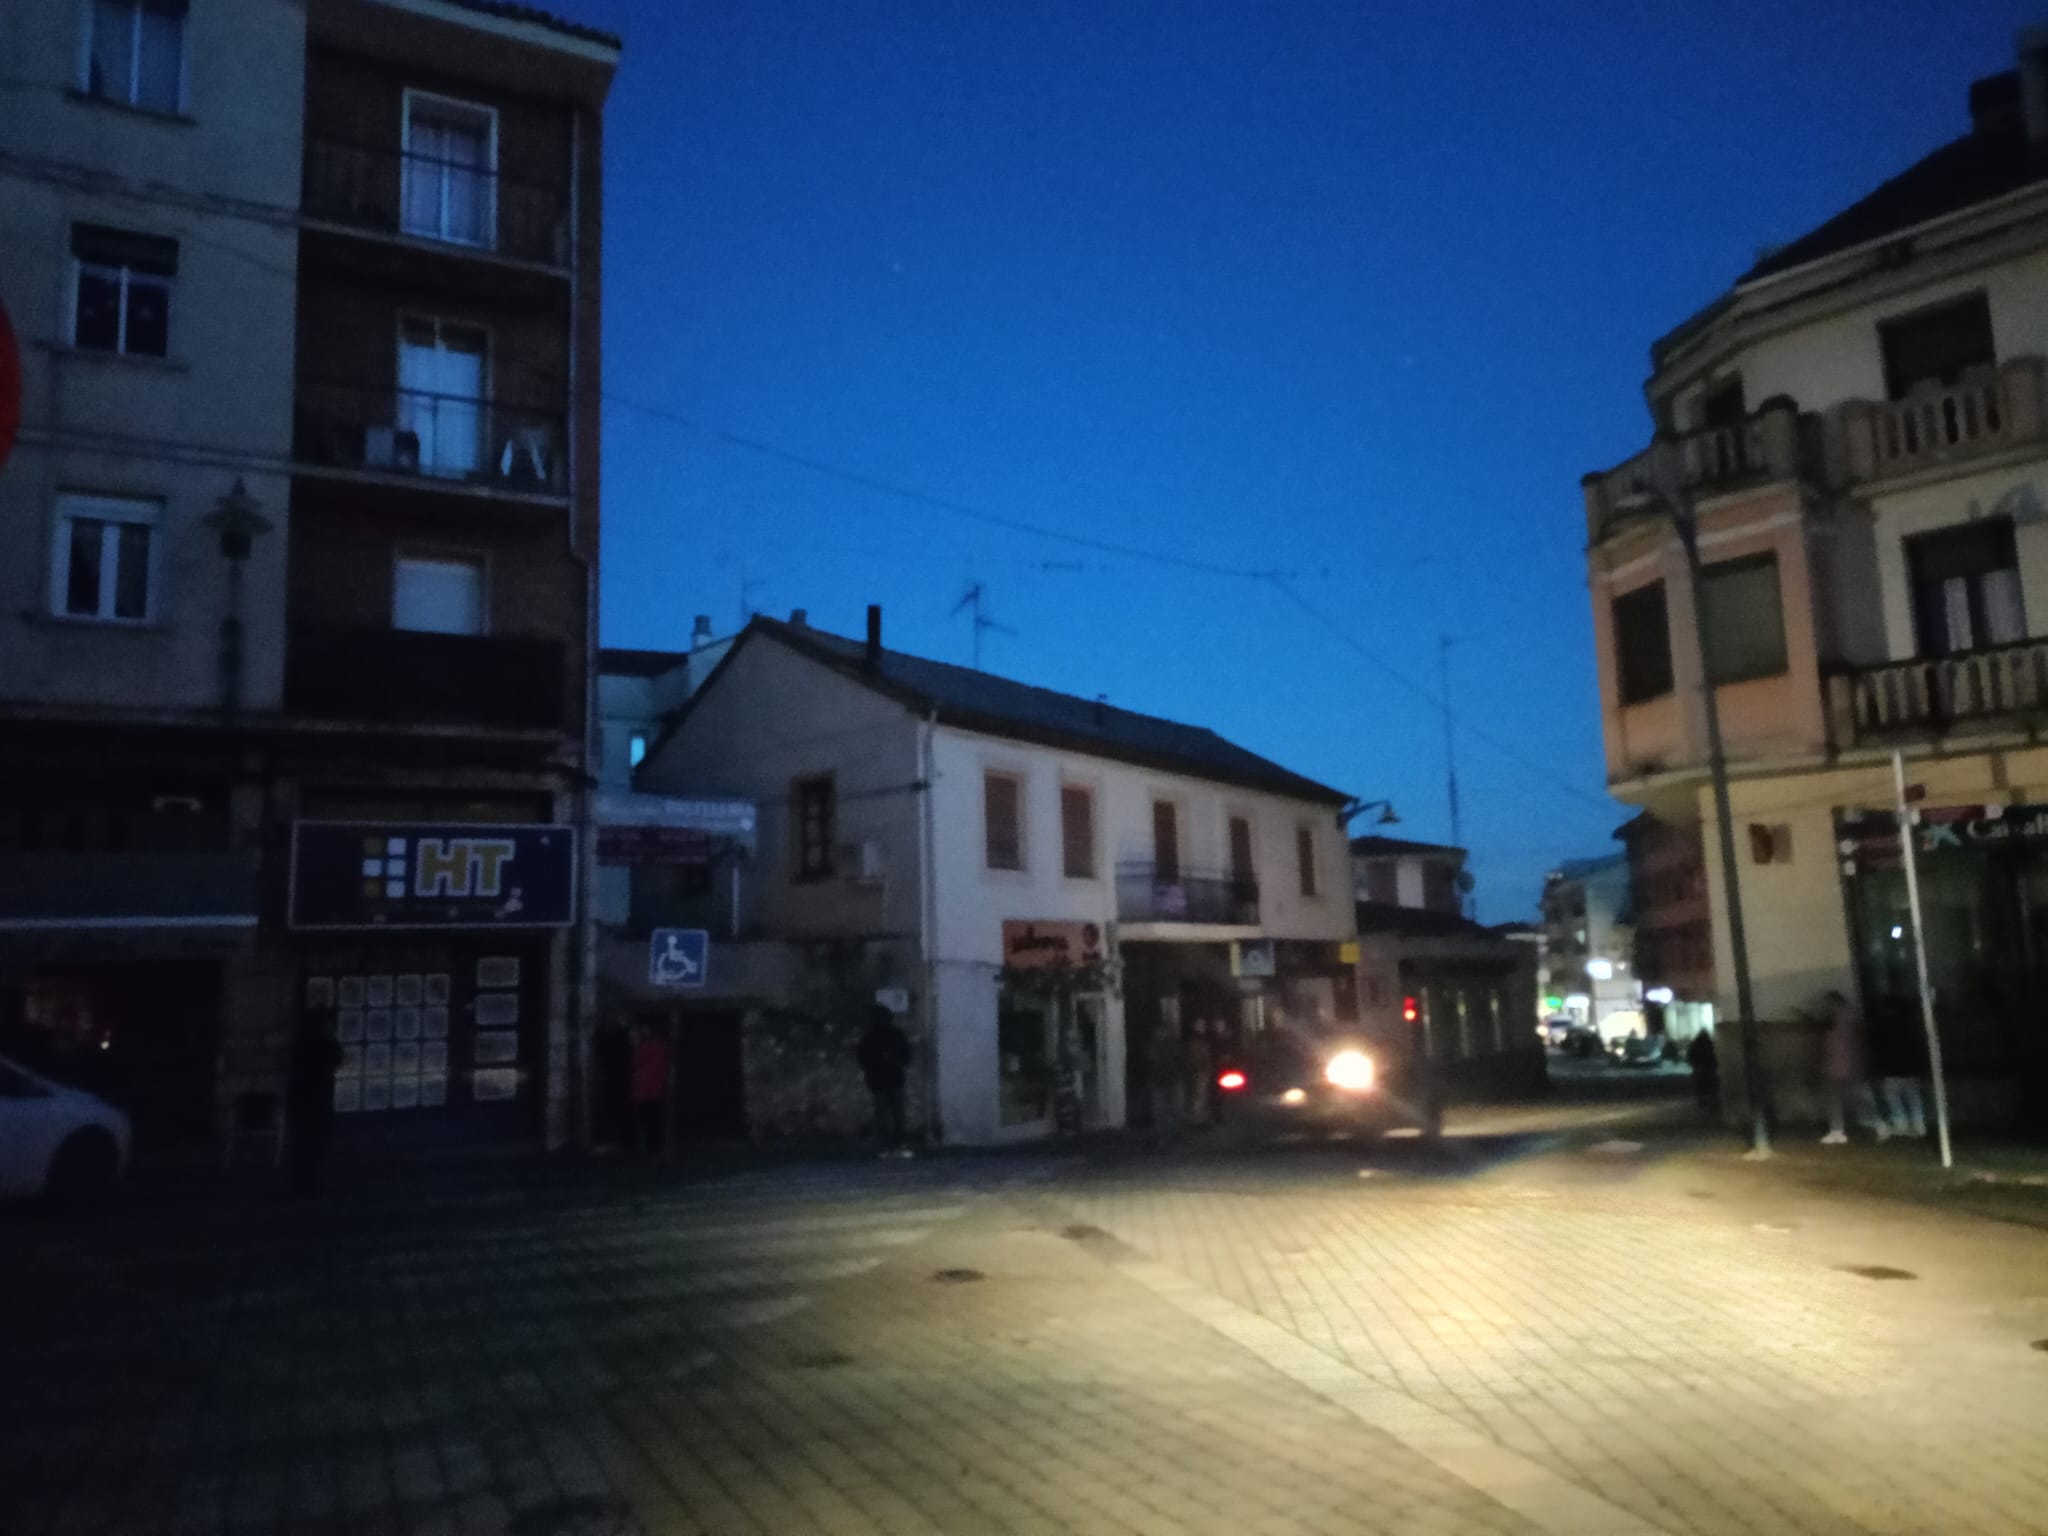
(1577, 1344)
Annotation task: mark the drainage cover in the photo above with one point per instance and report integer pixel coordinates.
(821, 1360)
(1877, 1272)
(957, 1276)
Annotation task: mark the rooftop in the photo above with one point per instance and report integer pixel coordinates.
(619, 661)
(997, 706)
(1377, 917)
(533, 15)
(1993, 159)
(1373, 846)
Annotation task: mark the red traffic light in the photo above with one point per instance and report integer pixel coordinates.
(1410, 1010)
(1230, 1081)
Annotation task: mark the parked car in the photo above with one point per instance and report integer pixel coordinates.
(1295, 1079)
(56, 1141)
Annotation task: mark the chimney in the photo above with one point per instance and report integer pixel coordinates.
(799, 617)
(700, 632)
(1997, 103)
(874, 656)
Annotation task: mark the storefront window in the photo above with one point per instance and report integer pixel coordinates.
(1024, 1048)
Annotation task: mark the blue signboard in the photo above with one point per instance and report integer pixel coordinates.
(359, 874)
(678, 957)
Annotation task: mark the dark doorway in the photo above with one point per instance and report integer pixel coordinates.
(710, 1076)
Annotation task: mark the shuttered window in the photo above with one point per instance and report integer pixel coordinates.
(1077, 831)
(1002, 797)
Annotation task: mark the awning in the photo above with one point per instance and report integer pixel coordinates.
(75, 891)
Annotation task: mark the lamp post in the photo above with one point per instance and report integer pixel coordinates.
(237, 518)
(1672, 490)
(1358, 808)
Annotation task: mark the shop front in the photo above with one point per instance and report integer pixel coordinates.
(1053, 1024)
(1983, 873)
(429, 951)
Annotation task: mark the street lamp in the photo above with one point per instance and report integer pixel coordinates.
(1670, 487)
(1358, 808)
(237, 518)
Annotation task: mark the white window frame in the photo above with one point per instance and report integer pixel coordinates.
(114, 512)
(451, 106)
(127, 275)
(444, 554)
(135, 9)
(486, 434)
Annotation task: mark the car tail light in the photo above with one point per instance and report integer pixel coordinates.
(1231, 1081)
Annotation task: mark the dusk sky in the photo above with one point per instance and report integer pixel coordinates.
(1349, 292)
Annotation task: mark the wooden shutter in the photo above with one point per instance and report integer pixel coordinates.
(1165, 841)
(1000, 797)
(1077, 831)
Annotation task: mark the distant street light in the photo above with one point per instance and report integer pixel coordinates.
(1670, 488)
(1358, 808)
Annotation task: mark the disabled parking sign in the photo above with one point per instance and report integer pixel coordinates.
(678, 957)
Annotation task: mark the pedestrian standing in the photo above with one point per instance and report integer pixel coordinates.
(649, 1090)
(1898, 1050)
(1201, 1073)
(1705, 1062)
(884, 1054)
(309, 1105)
(1166, 1080)
(1845, 1073)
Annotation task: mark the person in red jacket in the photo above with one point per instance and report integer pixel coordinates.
(649, 1090)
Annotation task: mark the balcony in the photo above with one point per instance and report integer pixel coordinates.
(409, 677)
(1147, 894)
(1883, 439)
(2004, 685)
(422, 197)
(450, 438)
(1768, 446)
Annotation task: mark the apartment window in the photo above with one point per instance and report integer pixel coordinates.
(439, 594)
(636, 749)
(1966, 588)
(441, 373)
(1642, 644)
(1440, 887)
(451, 152)
(1382, 882)
(1305, 858)
(1745, 619)
(1242, 870)
(121, 284)
(812, 814)
(137, 53)
(1165, 841)
(1002, 796)
(1935, 348)
(105, 559)
(1722, 404)
(1077, 831)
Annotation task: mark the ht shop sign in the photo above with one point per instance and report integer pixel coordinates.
(353, 874)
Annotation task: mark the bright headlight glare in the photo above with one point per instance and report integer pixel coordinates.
(1349, 1069)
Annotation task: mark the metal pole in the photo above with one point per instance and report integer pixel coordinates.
(1724, 817)
(1450, 743)
(1912, 859)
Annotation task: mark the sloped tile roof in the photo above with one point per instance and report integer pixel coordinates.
(510, 10)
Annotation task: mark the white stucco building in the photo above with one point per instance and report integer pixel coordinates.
(930, 835)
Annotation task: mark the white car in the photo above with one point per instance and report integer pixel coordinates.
(54, 1140)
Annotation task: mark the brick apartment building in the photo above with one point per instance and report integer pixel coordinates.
(296, 685)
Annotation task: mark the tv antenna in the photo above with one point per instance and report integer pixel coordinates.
(975, 599)
(1444, 644)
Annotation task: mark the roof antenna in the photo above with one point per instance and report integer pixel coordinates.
(976, 598)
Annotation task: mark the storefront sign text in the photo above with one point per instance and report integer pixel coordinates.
(431, 875)
(1035, 946)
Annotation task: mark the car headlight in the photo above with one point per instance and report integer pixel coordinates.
(1349, 1069)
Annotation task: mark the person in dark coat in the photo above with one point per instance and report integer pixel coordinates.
(1705, 1062)
(309, 1105)
(1898, 1058)
(884, 1055)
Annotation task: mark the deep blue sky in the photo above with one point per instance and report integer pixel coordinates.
(1352, 290)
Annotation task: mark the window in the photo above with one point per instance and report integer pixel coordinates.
(105, 559)
(1642, 644)
(1165, 842)
(1439, 887)
(137, 53)
(1722, 404)
(439, 594)
(812, 815)
(441, 368)
(451, 152)
(1243, 870)
(1077, 831)
(1933, 349)
(121, 285)
(636, 749)
(1305, 857)
(1382, 882)
(1002, 797)
(1745, 619)
(1966, 588)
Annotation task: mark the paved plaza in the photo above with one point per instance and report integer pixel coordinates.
(1576, 1321)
